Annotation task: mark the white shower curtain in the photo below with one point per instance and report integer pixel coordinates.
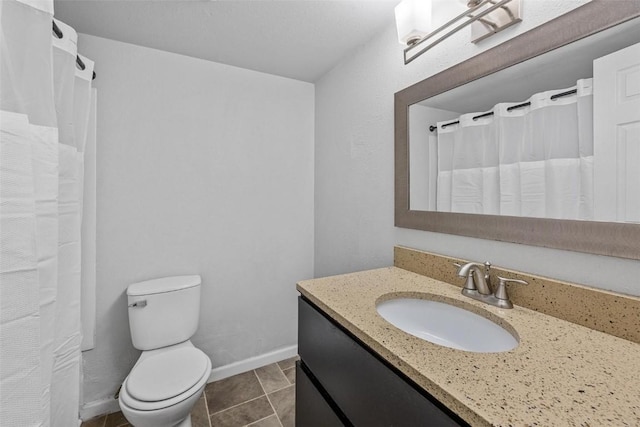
(45, 105)
(534, 160)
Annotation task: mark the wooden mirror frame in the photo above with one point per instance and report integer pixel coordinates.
(602, 238)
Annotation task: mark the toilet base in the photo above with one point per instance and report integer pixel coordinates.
(167, 417)
(186, 422)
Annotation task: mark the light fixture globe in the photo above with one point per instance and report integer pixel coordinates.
(413, 20)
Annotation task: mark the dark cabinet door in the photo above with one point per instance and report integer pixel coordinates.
(368, 391)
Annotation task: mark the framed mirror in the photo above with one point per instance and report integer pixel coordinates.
(557, 55)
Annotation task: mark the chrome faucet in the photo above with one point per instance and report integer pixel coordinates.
(477, 280)
(478, 287)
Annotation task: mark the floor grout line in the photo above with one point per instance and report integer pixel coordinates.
(235, 406)
(268, 400)
(262, 419)
(272, 391)
(206, 406)
(280, 389)
(275, 412)
(285, 375)
(260, 382)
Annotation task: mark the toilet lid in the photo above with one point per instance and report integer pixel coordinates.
(166, 375)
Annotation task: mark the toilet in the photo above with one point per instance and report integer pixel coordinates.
(170, 375)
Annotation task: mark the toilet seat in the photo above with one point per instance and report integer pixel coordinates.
(166, 375)
(165, 379)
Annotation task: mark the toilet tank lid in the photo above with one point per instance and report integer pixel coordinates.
(164, 284)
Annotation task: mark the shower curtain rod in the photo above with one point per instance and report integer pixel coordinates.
(79, 62)
(513, 107)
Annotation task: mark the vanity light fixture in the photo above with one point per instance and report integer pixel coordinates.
(413, 21)
(486, 17)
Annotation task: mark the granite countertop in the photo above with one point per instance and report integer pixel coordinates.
(560, 373)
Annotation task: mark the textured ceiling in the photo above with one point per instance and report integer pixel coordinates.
(300, 39)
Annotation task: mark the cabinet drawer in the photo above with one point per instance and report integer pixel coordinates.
(312, 410)
(365, 389)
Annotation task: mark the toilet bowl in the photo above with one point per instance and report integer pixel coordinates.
(164, 385)
(171, 373)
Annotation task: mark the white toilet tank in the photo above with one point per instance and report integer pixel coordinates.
(164, 311)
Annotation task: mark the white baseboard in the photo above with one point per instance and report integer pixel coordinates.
(227, 371)
(99, 407)
(110, 405)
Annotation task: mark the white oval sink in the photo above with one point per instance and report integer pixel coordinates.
(446, 325)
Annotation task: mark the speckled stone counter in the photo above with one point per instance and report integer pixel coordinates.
(561, 374)
(608, 312)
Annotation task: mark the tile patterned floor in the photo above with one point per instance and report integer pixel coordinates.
(264, 397)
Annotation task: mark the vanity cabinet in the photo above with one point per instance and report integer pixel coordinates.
(341, 381)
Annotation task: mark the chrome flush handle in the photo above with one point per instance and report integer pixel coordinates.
(138, 304)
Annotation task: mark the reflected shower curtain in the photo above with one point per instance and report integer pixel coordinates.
(45, 102)
(532, 159)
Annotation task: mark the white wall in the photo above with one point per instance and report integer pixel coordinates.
(202, 169)
(354, 167)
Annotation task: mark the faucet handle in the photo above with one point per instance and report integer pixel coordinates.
(501, 290)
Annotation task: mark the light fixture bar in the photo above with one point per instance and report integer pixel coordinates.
(408, 52)
(502, 18)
